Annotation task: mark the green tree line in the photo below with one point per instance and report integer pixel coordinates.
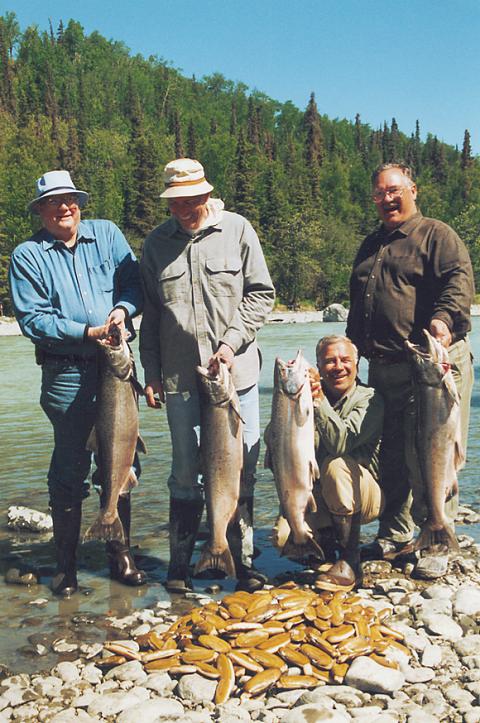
(113, 119)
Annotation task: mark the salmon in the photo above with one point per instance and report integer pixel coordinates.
(221, 448)
(291, 452)
(115, 436)
(438, 438)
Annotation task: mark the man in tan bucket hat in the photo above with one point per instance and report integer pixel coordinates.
(208, 291)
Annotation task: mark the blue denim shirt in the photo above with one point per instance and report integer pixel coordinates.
(57, 293)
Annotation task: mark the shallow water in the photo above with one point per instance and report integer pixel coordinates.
(27, 439)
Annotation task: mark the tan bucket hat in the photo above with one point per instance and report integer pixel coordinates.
(184, 177)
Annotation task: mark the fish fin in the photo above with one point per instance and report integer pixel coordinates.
(445, 537)
(92, 443)
(137, 387)
(130, 483)
(311, 504)
(266, 434)
(314, 469)
(141, 446)
(458, 455)
(236, 409)
(301, 411)
(302, 550)
(101, 530)
(222, 562)
(267, 462)
(450, 386)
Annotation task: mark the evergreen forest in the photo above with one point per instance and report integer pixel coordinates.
(114, 119)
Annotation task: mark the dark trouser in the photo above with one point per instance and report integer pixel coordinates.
(400, 475)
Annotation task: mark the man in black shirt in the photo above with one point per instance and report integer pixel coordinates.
(412, 273)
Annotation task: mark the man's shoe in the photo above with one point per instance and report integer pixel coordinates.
(383, 549)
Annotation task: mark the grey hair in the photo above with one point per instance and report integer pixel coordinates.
(335, 339)
(402, 167)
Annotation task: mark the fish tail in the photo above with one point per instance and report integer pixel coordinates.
(101, 530)
(445, 537)
(208, 560)
(302, 550)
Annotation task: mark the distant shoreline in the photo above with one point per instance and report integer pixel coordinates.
(9, 327)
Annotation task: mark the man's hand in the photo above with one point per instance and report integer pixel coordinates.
(117, 317)
(315, 383)
(155, 387)
(440, 331)
(223, 354)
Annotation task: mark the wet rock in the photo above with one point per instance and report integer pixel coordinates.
(371, 677)
(62, 646)
(377, 567)
(111, 704)
(24, 518)
(41, 601)
(443, 625)
(151, 711)
(131, 671)
(467, 600)
(15, 576)
(90, 651)
(196, 688)
(213, 589)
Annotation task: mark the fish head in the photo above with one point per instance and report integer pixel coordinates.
(431, 364)
(290, 377)
(115, 353)
(216, 382)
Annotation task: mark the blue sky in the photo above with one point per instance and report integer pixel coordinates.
(407, 59)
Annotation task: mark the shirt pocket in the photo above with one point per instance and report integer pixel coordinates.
(172, 282)
(102, 276)
(224, 276)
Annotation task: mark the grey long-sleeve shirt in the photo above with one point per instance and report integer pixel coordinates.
(201, 291)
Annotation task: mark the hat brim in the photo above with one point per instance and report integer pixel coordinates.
(187, 190)
(82, 197)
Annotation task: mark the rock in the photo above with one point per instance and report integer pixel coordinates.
(130, 671)
(24, 518)
(431, 656)
(232, 712)
(161, 683)
(467, 600)
(68, 672)
(312, 713)
(111, 704)
(335, 312)
(83, 700)
(151, 711)
(438, 591)
(62, 646)
(14, 576)
(196, 688)
(419, 675)
(443, 625)
(458, 696)
(472, 716)
(469, 645)
(371, 677)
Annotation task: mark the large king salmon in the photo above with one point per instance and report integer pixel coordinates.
(115, 437)
(221, 447)
(438, 437)
(291, 452)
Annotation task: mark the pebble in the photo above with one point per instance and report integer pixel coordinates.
(151, 711)
(369, 676)
(441, 624)
(469, 645)
(431, 656)
(196, 688)
(467, 600)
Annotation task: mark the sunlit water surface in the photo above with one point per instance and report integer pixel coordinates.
(27, 440)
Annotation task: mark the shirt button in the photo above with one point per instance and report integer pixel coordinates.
(373, 276)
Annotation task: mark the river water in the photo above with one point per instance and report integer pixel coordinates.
(26, 442)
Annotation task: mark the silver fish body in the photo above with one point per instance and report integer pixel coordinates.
(221, 447)
(115, 436)
(291, 451)
(438, 437)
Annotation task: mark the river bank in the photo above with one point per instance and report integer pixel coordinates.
(439, 680)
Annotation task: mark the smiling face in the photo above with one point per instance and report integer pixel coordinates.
(337, 365)
(189, 211)
(394, 196)
(60, 215)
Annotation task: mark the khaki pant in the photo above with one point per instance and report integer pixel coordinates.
(344, 488)
(400, 474)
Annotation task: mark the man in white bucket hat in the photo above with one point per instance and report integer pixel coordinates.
(70, 282)
(207, 292)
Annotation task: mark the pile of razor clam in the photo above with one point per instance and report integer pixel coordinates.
(283, 638)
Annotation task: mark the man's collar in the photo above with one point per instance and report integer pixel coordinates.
(85, 233)
(405, 228)
(341, 400)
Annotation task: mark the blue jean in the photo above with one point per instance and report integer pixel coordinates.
(183, 414)
(68, 399)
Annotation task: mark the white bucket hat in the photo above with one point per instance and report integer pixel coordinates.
(56, 183)
(184, 177)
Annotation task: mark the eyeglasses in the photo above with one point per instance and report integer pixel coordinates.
(394, 192)
(56, 201)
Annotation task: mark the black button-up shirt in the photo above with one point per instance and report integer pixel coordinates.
(403, 279)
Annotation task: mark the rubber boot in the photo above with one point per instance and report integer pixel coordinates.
(122, 564)
(66, 533)
(240, 540)
(346, 573)
(184, 521)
